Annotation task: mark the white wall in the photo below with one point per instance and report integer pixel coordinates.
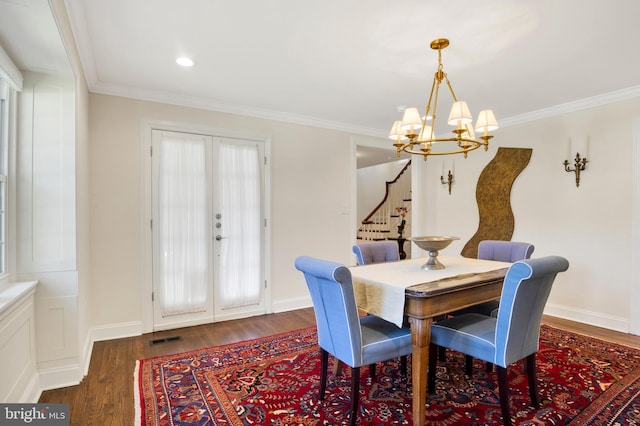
(590, 225)
(310, 206)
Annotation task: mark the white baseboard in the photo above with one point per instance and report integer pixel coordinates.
(87, 350)
(588, 317)
(32, 391)
(116, 331)
(60, 377)
(72, 375)
(292, 304)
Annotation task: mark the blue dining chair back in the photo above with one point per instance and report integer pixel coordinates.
(335, 308)
(354, 340)
(524, 295)
(504, 251)
(376, 251)
(513, 335)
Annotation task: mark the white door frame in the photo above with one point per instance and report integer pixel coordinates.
(634, 299)
(417, 171)
(146, 237)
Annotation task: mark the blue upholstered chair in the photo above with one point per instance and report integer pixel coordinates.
(510, 337)
(503, 251)
(354, 340)
(376, 251)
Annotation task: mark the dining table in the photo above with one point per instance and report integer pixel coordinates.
(403, 290)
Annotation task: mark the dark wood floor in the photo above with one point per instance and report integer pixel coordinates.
(105, 396)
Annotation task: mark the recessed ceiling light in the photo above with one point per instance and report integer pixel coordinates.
(185, 62)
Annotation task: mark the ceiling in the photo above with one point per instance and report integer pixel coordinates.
(341, 64)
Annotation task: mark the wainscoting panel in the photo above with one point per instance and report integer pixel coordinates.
(58, 342)
(18, 374)
(57, 330)
(46, 174)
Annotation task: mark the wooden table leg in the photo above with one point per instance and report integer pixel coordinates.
(420, 337)
(337, 367)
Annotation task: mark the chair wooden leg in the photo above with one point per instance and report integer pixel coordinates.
(531, 374)
(431, 374)
(355, 394)
(403, 365)
(468, 365)
(372, 371)
(489, 367)
(324, 364)
(504, 395)
(442, 356)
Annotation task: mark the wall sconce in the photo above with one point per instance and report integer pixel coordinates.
(449, 180)
(579, 164)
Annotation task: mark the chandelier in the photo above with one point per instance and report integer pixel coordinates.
(416, 135)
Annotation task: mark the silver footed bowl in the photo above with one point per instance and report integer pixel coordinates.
(432, 245)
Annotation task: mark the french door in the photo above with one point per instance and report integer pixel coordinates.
(208, 228)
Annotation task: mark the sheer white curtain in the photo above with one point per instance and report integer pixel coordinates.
(183, 217)
(240, 255)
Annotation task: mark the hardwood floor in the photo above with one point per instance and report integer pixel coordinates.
(105, 396)
(597, 332)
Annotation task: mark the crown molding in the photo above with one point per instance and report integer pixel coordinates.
(212, 105)
(573, 106)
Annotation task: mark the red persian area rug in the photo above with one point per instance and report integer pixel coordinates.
(274, 381)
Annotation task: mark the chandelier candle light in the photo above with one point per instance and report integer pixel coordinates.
(416, 135)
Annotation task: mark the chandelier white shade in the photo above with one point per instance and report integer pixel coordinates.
(411, 120)
(416, 134)
(486, 121)
(459, 114)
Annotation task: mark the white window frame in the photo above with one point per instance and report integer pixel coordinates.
(11, 82)
(4, 181)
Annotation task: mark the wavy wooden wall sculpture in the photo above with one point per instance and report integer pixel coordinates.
(493, 195)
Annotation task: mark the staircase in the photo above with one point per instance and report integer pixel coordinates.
(383, 221)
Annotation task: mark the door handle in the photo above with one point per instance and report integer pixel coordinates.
(219, 237)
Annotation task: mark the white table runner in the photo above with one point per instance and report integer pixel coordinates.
(380, 287)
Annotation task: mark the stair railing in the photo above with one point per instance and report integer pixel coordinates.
(377, 224)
